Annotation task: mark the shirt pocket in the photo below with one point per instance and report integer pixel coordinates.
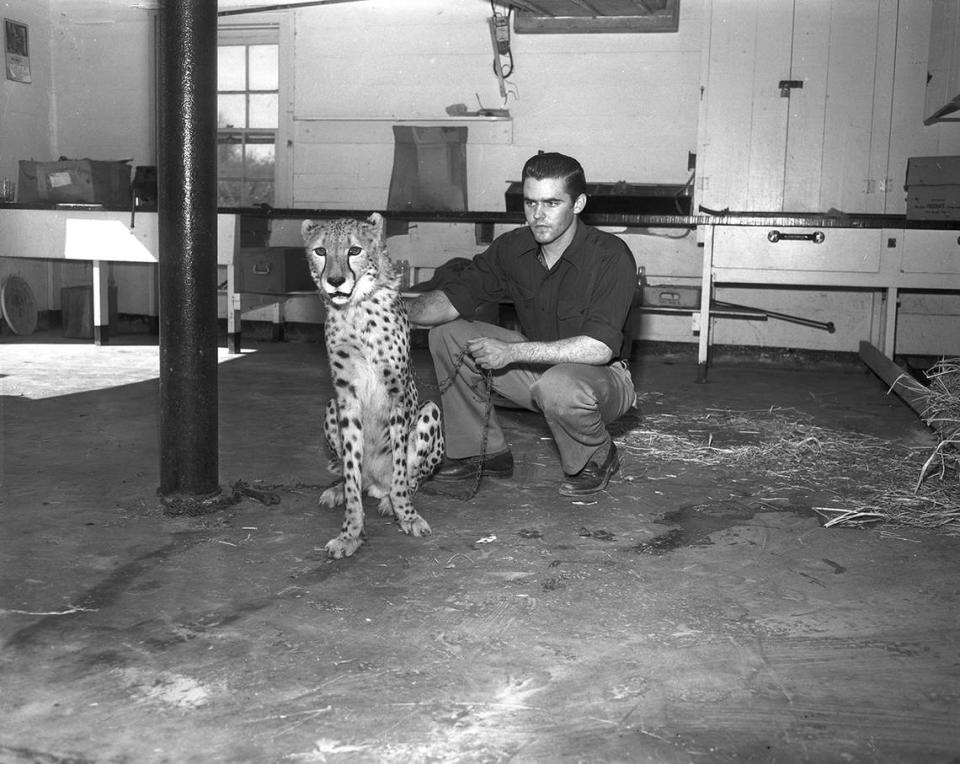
(570, 316)
(524, 300)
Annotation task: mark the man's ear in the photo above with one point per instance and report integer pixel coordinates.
(579, 203)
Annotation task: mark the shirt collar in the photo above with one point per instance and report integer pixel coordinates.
(575, 253)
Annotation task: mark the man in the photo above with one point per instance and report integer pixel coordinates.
(572, 286)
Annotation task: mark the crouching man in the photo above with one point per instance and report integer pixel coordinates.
(572, 286)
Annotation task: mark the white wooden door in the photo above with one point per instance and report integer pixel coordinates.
(813, 147)
(743, 120)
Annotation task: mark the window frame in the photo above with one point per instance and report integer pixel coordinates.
(268, 29)
(594, 16)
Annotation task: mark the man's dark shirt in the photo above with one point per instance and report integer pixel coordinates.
(587, 292)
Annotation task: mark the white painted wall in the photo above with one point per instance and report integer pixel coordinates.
(103, 60)
(26, 125)
(26, 109)
(625, 105)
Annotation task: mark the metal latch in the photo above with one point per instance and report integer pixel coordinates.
(787, 85)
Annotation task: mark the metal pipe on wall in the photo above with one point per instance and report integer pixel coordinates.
(187, 207)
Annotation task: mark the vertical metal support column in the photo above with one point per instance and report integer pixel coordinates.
(703, 319)
(187, 206)
(101, 302)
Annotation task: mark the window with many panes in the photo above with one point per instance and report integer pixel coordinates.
(248, 115)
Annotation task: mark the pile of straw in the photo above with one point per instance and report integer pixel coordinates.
(868, 479)
(941, 410)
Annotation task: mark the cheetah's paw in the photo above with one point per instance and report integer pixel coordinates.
(342, 547)
(415, 526)
(385, 507)
(332, 496)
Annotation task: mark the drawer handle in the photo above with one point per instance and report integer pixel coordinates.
(261, 269)
(817, 237)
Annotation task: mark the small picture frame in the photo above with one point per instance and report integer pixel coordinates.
(16, 50)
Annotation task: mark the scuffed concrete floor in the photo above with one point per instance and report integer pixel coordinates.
(527, 628)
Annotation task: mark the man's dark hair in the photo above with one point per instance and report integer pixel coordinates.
(554, 165)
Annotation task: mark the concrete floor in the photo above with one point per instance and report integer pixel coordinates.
(692, 613)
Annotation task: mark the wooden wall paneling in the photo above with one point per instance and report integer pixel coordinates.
(770, 111)
(908, 136)
(850, 105)
(810, 59)
(725, 98)
(881, 186)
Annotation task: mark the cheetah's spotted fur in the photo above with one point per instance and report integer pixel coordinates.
(380, 437)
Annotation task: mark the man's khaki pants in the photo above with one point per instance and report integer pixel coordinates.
(577, 400)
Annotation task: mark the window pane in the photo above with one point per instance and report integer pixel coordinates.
(229, 157)
(264, 67)
(261, 159)
(230, 193)
(230, 68)
(231, 111)
(263, 110)
(260, 192)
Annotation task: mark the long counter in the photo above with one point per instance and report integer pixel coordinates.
(883, 253)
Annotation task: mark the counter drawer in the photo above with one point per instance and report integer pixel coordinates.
(930, 251)
(273, 270)
(781, 248)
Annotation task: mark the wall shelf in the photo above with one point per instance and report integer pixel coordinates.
(362, 130)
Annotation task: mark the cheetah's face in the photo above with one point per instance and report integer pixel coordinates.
(347, 257)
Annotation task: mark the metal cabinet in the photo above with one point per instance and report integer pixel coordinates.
(808, 255)
(884, 254)
(927, 251)
(272, 270)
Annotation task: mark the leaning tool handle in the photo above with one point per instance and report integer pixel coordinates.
(825, 325)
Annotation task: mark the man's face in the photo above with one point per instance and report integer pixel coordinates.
(549, 209)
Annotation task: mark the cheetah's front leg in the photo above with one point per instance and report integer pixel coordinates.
(400, 500)
(419, 451)
(333, 496)
(345, 434)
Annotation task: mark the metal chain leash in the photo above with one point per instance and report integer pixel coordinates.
(444, 385)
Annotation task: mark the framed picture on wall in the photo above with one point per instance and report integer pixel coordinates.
(16, 49)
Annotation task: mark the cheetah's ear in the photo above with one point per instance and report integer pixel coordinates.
(307, 229)
(376, 220)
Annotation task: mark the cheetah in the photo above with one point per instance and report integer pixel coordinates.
(381, 439)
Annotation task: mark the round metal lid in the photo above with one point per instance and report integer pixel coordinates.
(18, 305)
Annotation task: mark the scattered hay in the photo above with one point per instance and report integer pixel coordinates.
(872, 478)
(941, 412)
